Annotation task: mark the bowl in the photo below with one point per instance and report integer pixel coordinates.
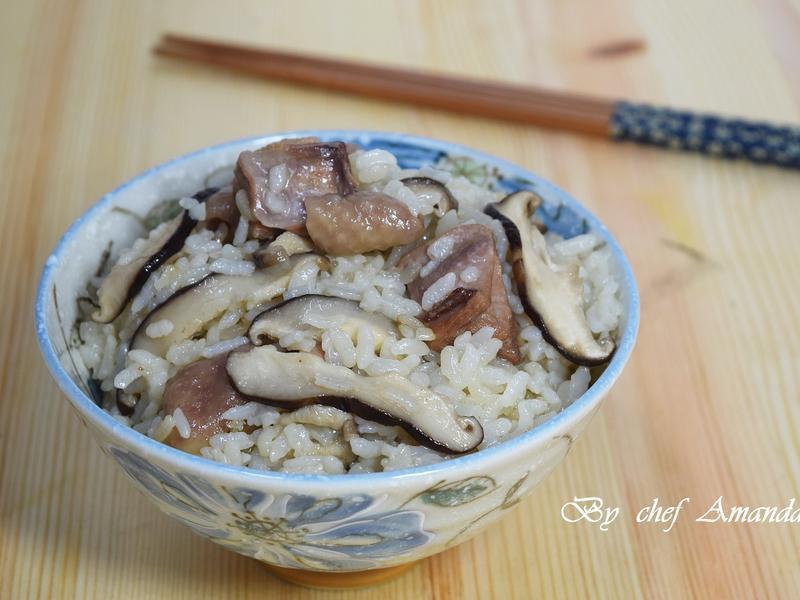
(316, 523)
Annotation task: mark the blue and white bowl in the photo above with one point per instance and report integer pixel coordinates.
(316, 522)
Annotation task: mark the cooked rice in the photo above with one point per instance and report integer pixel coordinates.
(507, 400)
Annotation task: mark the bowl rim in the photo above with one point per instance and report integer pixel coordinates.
(129, 438)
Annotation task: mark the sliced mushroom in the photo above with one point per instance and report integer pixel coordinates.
(551, 295)
(191, 308)
(428, 188)
(205, 193)
(126, 403)
(313, 314)
(222, 214)
(360, 222)
(203, 392)
(256, 231)
(295, 379)
(278, 177)
(124, 281)
(281, 248)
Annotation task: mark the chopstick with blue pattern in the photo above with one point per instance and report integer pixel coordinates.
(708, 134)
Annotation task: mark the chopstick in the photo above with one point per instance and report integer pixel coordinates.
(618, 120)
(509, 102)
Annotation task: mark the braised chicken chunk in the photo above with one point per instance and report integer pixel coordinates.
(203, 392)
(360, 222)
(459, 282)
(279, 177)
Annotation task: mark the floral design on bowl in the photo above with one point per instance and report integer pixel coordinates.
(293, 530)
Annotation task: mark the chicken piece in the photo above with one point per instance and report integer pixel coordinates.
(203, 392)
(500, 317)
(479, 298)
(279, 177)
(466, 302)
(360, 222)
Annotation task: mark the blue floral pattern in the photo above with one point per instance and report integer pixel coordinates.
(292, 530)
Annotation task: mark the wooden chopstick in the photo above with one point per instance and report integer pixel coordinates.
(518, 103)
(280, 60)
(619, 120)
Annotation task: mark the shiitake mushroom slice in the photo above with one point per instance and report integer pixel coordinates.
(430, 188)
(551, 295)
(313, 313)
(124, 281)
(295, 379)
(191, 308)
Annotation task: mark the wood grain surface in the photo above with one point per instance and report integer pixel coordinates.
(707, 407)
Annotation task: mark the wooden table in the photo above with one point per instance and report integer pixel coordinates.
(707, 407)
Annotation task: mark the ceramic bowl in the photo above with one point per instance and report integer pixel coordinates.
(330, 523)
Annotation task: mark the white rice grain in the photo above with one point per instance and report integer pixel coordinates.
(159, 329)
(441, 248)
(278, 177)
(243, 204)
(438, 291)
(188, 203)
(240, 235)
(232, 267)
(469, 274)
(224, 347)
(341, 343)
(161, 428)
(374, 165)
(181, 424)
(182, 353)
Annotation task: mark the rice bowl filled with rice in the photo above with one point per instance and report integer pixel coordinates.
(322, 310)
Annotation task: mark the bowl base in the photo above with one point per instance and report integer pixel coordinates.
(350, 579)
